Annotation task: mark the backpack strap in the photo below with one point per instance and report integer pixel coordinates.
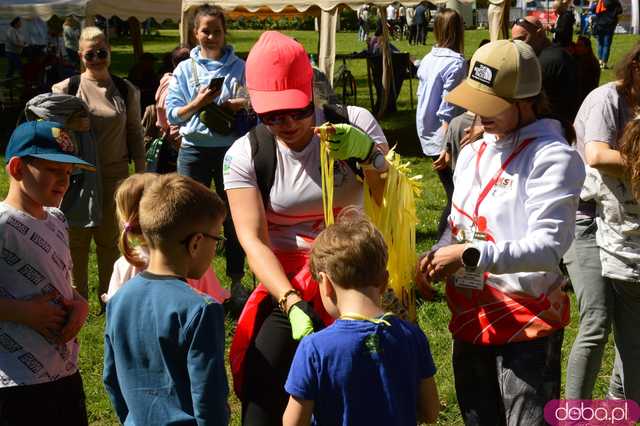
(194, 75)
(74, 85)
(263, 153)
(122, 87)
(335, 113)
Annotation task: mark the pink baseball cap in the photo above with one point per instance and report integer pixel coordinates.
(278, 74)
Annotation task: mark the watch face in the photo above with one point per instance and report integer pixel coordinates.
(471, 257)
(378, 162)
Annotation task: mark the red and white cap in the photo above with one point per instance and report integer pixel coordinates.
(278, 74)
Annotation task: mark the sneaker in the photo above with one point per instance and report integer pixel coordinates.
(611, 397)
(239, 295)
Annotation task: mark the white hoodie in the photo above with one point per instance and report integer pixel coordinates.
(530, 220)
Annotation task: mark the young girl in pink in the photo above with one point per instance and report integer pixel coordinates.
(135, 259)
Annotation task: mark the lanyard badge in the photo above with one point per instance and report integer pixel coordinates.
(469, 277)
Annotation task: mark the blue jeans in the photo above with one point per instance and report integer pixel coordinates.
(507, 384)
(604, 46)
(204, 164)
(363, 31)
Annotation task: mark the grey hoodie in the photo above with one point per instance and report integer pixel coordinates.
(82, 204)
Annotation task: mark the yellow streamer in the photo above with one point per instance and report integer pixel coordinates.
(326, 167)
(396, 219)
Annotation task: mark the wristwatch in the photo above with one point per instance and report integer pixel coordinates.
(470, 258)
(376, 161)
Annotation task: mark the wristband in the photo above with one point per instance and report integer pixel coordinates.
(282, 302)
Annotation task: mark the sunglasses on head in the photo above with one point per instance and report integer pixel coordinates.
(99, 53)
(274, 118)
(530, 27)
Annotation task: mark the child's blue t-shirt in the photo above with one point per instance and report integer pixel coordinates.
(361, 373)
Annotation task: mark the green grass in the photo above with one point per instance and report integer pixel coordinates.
(433, 317)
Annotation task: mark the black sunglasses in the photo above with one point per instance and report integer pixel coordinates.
(274, 118)
(530, 27)
(99, 53)
(218, 238)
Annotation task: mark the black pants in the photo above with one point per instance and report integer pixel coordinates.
(267, 367)
(61, 402)
(412, 34)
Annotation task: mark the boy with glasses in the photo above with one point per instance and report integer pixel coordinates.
(164, 341)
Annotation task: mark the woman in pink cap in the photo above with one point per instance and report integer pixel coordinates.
(273, 183)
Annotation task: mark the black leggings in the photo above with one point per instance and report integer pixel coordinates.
(268, 361)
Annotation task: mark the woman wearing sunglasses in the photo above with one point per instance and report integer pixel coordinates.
(115, 123)
(277, 230)
(212, 74)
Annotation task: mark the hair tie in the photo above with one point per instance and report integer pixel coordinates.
(127, 227)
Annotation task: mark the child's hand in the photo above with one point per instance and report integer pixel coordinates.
(43, 316)
(423, 285)
(443, 161)
(77, 310)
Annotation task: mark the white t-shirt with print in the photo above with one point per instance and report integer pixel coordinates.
(618, 219)
(34, 260)
(294, 213)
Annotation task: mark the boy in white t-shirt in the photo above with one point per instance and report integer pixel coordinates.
(40, 313)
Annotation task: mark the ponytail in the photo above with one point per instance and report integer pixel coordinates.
(127, 199)
(630, 152)
(127, 250)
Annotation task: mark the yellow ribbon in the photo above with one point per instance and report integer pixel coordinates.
(326, 167)
(357, 317)
(396, 218)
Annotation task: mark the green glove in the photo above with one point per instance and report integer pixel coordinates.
(350, 142)
(301, 322)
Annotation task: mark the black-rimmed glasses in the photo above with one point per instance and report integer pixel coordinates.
(218, 238)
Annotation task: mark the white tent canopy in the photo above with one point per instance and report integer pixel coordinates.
(140, 9)
(45, 9)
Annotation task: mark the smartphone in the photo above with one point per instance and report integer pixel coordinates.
(216, 84)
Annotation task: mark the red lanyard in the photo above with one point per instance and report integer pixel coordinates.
(480, 221)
